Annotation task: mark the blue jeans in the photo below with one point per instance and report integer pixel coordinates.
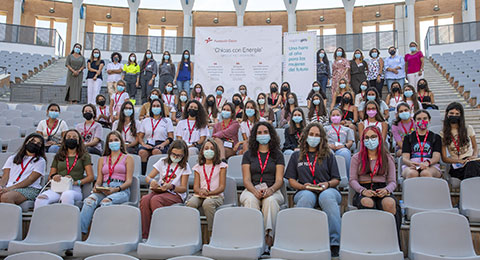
(345, 153)
(53, 149)
(329, 200)
(184, 85)
(323, 80)
(288, 152)
(95, 199)
(390, 81)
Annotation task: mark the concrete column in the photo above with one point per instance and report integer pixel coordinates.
(77, 4)
(410, 15)
(17, 12)
(349, 5)
(240, 6)
(187, 6)
(133, 6)
(468, 11)
(400, 27)
(291, 6)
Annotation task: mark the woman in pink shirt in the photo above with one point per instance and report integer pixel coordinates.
(414, 62)
(225, 133)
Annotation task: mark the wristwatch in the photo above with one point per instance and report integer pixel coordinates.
(79, 182)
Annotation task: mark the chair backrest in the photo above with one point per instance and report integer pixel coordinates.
(234, 169)
(380, 227)
(9, 132)
(111, 256)
(14, 144)
(245, 223)
(3, 106)
(37, 255)
(94, 158)
(435, 128)
(50, 157)
(75, 108)
(65, 225)
(3, 120)
(153, 160)
(137, 163)
(469, 193)
(281, 136)
(115, 224)
(3, 159)
(426, 193)
(175, 225)
(67, 115)
(190, 257)
(440, 233)
(192, 160)
(25, 107)
(230, 194)
(351, 194)
(342, 169)
(287, 157)
(135, 190)
(294, 230)
(11, 224)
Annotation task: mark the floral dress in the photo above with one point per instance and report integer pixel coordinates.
(374, 69)
(339, 68)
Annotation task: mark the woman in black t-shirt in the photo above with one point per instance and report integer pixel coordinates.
(262, 167)
(94, 76)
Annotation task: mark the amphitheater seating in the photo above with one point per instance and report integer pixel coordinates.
(10, 226)
(111, 257)
(37, 255)
(469, 203)
(23, 65)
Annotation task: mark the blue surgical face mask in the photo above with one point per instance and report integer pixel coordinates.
(219, 92)
(76, 50)
(357, 55)
(208, 154)
(166, 57)
(175, 159)
(128, 112)
(168, 88)
(363, 87)
(156, 110)
(53, 114)
(291, 101)
(316, 102)
(374, 54)
(149, 56)
(261, 101)
(371, 143)
(413, 48)
(316, 88)
(226, 114)
(250, 112)
(186, 56)
(96, 55)
(153, 97)
(371, 98)
(120, 88)
(313, 141)
(263, 139)
(183, 98)
(404, 115)
(114, 146)
(297, 119)
(339, 54)
(408, 93)
(321, 55)
(342, 85)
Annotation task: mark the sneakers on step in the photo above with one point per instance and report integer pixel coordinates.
(334, 251)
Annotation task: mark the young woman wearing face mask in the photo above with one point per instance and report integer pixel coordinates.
(394, 68)
(421, 149)
(166, 71)
(284, 91)
(75, 64)
(243, 92)
(145, 110)
(373, 117)
(114, 72)
(219, 99)
(52, 128)
(198, 94)
(115, 173)
(323, 70)
(274, 100)
(181, 106)
(395, 96)
(237, 102)
(459, 146)
(131, 75)
(372, 95)
(209, 182)
(414, 62)
(425, 96)
(193, 129)
(349, 112)
(169, 100)
(411, 98)
(375, 70)
(103, 112)
(148, 72)
(358, 70)
(22, 172)
(286, 114)
(363, 91)
(264, 110)
(225, 132)
(318, 111)
(340, 69)
(184, 76)
(313, 172)
(262, 168)
(71, 161)
(212, 110)
(340, 138)
(250, 117)
(294, 132)
(155, 134)
(128, 127)
(402, 126)
(169, 187)
(316, 90)
(90, 130)
(117, 101)
(94, 76)
(343, 87)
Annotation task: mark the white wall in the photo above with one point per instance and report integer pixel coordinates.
(463, 46)
(27, 48)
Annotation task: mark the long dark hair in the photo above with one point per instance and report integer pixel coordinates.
(463, 138)
(162, 113)
(63, 151)
(255, 107)
(107, 151)
(274, 143)
(378, 116)
(397, 118)
(344, 55)
(178, 144)
(129, 61)
(144, 61)
(414, 97)
(94, 110)
(427, 89)
(310, 94)
(181, 67)
(216, 158)
(179, 102)
(382, 154)
(342, 102)
(323, 151)
(73, 49)
(121, 119)
(201, 119)
(325, 58)
(292, 129)
(22, 152)
(377, 96)
(322, 110)
(169, 58)
(241, 103)
(232, 110)
(99, 59)
(214, 109)
(288, 112)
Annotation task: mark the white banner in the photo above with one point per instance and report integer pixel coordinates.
(232, 56)
(299, 66)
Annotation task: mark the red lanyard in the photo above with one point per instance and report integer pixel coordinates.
(243, 99)
(190, 130)
(154, 127)
(410, 128)
(312, 167)
(23, 169)
(102, 112)
(337, 131)
(125, 131)
(50, 130)
(110, 168)
(168, 98)
(262, 166)
(69, 169)
(85, 131)
(346, 112)
(219, 101)
(248, 125)
(117, 98)
(223, 124)
(238, 112)
(273, 99)
(421, 97)
(457, 146)
(422, 147)
(208, 180)
(262, 113)
(372, 173)
(168, 178)
(397, 99)
(298, 135)
(318, 117)
(210, 115)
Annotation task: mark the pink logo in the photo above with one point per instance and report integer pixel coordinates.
(208, 40)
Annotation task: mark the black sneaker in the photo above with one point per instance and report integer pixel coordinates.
(334, 251)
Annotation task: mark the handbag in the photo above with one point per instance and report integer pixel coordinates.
(64, 184)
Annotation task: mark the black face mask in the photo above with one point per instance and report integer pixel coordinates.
(274, 89)
(422, 86)
(210, 103)
(71, 143)
(101, 103)
(32, 148)
(395, 89)
(392, 52)
(88, 115)
(453, 119)
(193, 112)
(347, 100)
(236, 102)
(285, 88)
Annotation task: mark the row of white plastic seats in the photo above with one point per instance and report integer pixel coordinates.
(39, 255)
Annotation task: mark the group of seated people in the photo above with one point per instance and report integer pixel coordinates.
(311, 141)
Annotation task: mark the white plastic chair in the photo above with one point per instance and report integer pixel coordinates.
(111, 257)
(3, 159)
(9, 132)
(440, 235)
(137, 162)
(190, 257)
(281, 136)
(425, 194)
(469, 199)
(25, 107)
(151, 161)
(94, 158)
(11, 224)
(192, 161)
(37, 255)
(14, 144)
(115, 229)
(174, 231)
(234, 169)
(134, 192)
(238, 233)
(376, 225)
(301, 233)
(342, 169)
(54, 228)
(9, 114)
(351, 194)
(23, 122)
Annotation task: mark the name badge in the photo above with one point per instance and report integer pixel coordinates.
(228, 144)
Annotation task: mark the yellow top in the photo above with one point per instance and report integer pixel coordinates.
(131, 69)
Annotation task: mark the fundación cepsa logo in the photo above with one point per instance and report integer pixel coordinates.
(209, 39)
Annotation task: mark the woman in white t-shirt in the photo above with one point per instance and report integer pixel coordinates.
(114, 73)
(251, 116)
(169, 100)
(118, 99)
(170, 187)
(193, 129)
(103, 111)
(22, 172)
(128, 127)
(52, 128)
